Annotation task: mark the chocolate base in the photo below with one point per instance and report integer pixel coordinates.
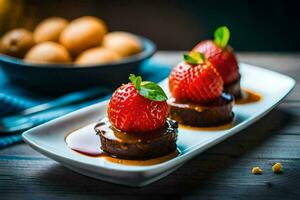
(137, 146)
(214, 113)
(234, 88)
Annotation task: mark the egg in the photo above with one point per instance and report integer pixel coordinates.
(48, 52)
(16, 42)
(125, 44)
(83, 33)
(97, 55)
(49, 29)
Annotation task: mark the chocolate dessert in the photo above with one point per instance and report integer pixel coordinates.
(137, 126)
(197, 91)
(140, 146)
(213, 113)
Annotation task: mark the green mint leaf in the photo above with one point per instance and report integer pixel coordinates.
(222, 35)
(152, 91)
(148, 89)
(136, 81)
(194, 58)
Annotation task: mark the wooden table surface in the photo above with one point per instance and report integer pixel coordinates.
(222, 172)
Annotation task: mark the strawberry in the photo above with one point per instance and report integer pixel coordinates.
(220, 55)
(195, 80)
(139, 106)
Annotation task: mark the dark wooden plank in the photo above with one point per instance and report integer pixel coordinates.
(222, 172)
(207, 175)
(20, 150)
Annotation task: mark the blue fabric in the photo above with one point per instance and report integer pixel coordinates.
(14, 98)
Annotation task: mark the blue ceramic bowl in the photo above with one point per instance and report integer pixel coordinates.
(58, 78)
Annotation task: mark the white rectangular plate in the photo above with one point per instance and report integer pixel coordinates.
(49, 138)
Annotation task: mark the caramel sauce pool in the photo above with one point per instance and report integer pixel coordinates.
(86, 142)
(142, 162)
(248, 97)
(214, 128)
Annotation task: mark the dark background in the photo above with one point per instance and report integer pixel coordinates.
(178, 25)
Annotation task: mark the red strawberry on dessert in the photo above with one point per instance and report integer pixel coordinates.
(195, 80)
(137, 126)
(138, 106)
(221, 55)
(196, 87)
(223, 59)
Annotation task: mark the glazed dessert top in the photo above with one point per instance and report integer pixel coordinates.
(106, 129)
(224, 99)
(195, 80)
(138, 106)
(220, 54)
